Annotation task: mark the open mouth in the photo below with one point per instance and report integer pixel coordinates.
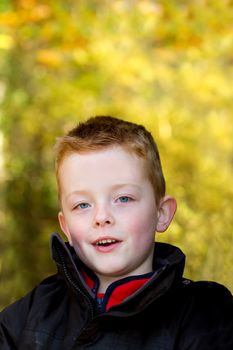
(106, 242)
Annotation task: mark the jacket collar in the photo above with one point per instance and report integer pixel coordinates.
(168, 268)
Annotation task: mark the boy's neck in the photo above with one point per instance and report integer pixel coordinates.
(105, 282)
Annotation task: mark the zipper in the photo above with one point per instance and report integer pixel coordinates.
(74, 284)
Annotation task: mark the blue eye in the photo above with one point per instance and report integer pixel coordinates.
(124, 199)
(83, 205)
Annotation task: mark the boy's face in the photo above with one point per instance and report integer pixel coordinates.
(109, 211)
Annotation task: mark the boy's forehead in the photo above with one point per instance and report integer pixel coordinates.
(116, 153)
(113, 164)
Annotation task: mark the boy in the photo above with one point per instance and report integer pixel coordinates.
(115, 288)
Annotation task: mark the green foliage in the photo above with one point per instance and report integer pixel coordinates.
(166, 64)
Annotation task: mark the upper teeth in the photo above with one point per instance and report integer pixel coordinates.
(104, 241)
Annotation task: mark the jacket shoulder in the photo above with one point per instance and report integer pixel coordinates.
(14, 317)
(207, 286)
(41, 291)
(207, 316)
(208, 291)
(208, 298)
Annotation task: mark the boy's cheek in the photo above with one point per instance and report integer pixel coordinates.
(142, 227)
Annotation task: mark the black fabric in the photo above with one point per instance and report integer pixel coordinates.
(168, 313)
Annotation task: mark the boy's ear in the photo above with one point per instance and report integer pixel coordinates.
(63, 225)
(166, 211)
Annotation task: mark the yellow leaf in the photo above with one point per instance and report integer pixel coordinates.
(6, 41)
(50, 58)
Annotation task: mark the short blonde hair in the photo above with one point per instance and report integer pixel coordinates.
(104, 131)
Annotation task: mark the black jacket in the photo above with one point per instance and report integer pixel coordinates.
(167, 313)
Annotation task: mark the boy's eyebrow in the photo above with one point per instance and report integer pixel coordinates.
(119, 186)
(76, 192)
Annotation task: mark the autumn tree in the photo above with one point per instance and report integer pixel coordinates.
(166, 64)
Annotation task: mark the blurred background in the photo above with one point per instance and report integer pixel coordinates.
(165, 64)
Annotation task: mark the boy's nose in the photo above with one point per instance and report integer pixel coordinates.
(103, 222)
(103, 218)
